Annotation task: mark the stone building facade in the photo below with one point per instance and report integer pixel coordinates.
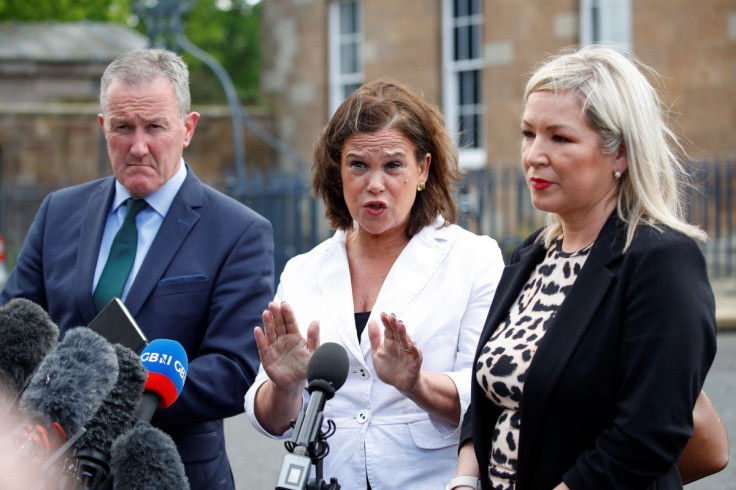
(49, 132)
(692, 44)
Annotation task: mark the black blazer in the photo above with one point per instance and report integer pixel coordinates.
(608, 398)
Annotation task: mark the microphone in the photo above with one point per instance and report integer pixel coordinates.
(146, 457)
(27, 334)
(166, 362)
(326, 373)
(115, 416)
(66, 390)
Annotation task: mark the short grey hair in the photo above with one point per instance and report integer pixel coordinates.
(144, 65)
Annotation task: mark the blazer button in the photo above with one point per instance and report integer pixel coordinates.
(363, 373)
(363, 416)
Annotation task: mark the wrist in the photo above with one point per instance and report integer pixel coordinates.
(288, 392)
(464, 482)
(414, 389)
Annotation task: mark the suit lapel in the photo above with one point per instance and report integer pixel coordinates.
(333, 283)
(411, 272)
(93, 225)
(175, 227)
(566, 330)
(512, 280)
(408, 276)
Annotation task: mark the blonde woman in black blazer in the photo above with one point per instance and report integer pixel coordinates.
(603, 328)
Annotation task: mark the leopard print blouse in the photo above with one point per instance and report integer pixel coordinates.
(503, 363)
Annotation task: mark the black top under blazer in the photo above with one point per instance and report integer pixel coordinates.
(609, 396)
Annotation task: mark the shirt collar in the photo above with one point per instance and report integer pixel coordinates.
(160, 200)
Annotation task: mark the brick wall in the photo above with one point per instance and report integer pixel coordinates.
(46, 147)
(692, 44)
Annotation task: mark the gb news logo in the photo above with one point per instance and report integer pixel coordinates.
(165, 360)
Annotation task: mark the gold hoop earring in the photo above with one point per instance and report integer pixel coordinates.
(421, 186)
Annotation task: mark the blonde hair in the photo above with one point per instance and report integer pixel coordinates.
(619, 102)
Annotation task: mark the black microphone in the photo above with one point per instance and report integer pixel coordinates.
(67, 389)
(115, 416)
(326, 373)
(27, 334)
(146, 457)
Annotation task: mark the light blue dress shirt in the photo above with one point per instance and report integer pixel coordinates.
(148, 222)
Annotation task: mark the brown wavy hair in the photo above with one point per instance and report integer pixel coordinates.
(380, 105)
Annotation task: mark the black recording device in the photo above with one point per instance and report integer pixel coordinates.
(115, 323)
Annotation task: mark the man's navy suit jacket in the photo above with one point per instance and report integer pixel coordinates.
(204, 283)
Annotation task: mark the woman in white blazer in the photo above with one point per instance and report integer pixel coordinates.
(403, 289)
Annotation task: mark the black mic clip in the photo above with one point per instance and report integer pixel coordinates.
(91, 468)
(315, 444)
(326, 372)
(308, 445)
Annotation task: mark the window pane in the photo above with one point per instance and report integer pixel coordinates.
(474, 42)
(349, 58)
(460, 8)
(466, 36)
(469, 127)
(469, 98)
(595, 17)
(462, 44)
(349, 89)
(348, 17)
(474, 7)
(455, 43)
(469, 87)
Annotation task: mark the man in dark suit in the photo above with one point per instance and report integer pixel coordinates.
(203, 266)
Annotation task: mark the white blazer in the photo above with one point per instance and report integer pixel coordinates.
(441, 287)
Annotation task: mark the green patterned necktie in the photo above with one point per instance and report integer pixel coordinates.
(121, 258)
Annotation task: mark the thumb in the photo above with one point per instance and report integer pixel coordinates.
(374, 335)
(313, 336)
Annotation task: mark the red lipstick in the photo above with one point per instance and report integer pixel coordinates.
(539, 184)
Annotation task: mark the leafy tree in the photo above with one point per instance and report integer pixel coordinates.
(228, 30)
(232, 36)
(64, 10)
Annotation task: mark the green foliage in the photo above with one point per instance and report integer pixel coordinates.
(64, 10)
(232, 37)
(228, 30)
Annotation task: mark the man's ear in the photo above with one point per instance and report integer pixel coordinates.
(190, 122)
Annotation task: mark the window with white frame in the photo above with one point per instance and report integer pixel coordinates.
(462, 55)
(606, 21)
(346, 45)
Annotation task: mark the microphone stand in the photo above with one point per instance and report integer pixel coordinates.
(308, 445)
(317, 452)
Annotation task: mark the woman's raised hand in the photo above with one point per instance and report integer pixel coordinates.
(284, 353)
(397, 359)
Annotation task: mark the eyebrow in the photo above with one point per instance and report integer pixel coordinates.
(385, 153)
(551, 127)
